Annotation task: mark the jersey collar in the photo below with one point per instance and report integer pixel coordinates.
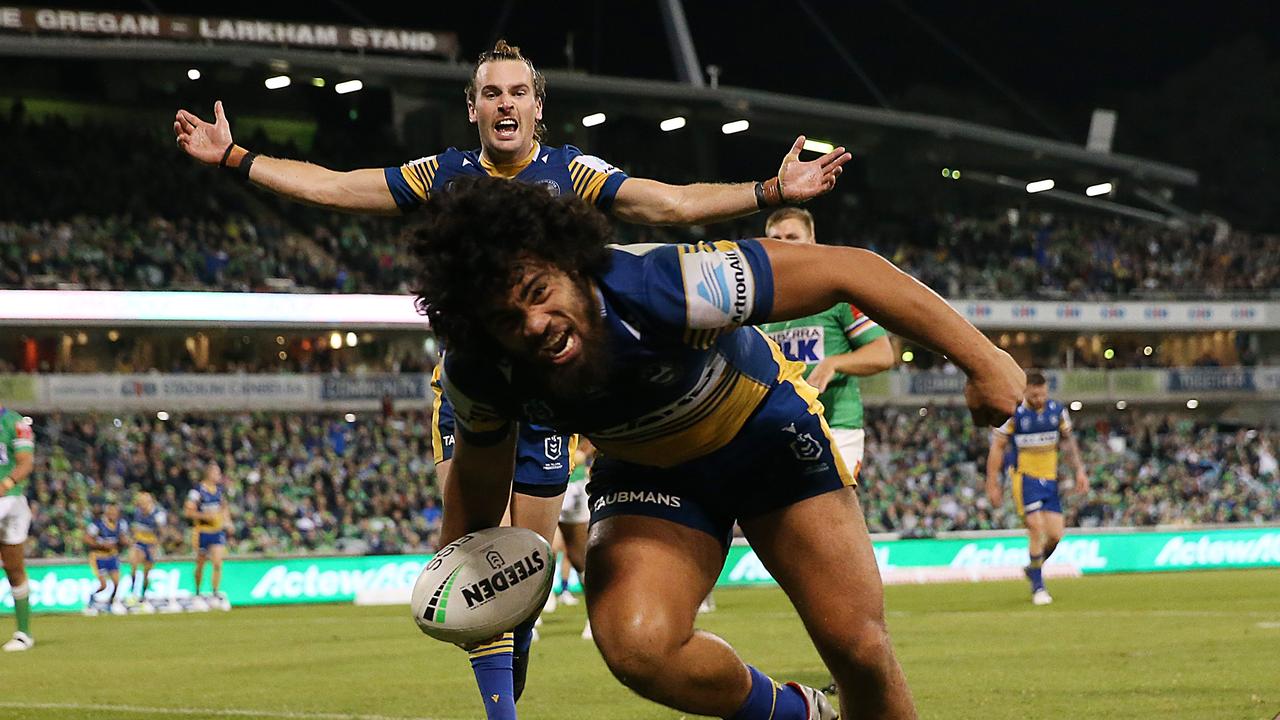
(510, 170)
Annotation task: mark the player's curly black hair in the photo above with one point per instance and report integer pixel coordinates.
(472, 237)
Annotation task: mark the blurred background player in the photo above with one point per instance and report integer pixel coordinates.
(574, 515)
(144, 528)
(574, 518)
(210, 514)
(17, 458)
(104, 537)
(1035, 429)
(837, 346)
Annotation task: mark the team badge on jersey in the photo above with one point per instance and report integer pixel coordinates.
(805, 447)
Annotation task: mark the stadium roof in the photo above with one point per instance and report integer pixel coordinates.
(990, 155)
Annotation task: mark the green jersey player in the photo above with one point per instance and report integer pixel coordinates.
(17, 458)
(837, 346)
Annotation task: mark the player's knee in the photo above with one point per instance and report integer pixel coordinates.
(861, 646)
(638, 645)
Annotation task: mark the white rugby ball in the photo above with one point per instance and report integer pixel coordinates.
(483, 584)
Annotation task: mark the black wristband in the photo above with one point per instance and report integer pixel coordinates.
(223, 162)
(246, 162)
(761, 203)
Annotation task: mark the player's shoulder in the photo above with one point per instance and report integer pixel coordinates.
(449, 158)
(568, 154)
(1053, 406)
(699, 286)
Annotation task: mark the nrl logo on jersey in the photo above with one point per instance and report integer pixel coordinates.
(553, 446)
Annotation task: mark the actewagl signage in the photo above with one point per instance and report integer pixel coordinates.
(63, 588)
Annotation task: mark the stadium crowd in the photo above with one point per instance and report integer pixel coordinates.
(297, 482)
(316, 483)
(967, 257)
(924, 473)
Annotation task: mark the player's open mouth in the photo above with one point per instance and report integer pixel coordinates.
(562, 348)
(506, 129)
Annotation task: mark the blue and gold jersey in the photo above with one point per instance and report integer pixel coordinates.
(108, 535)
(674, 318)
(561, 170)
(146, 525)
(209, 501)
(1035, 435)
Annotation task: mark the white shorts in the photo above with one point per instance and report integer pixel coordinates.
(15, 519)
(575, 510)
(850, 443)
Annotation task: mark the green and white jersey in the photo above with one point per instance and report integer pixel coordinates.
(809, 340)
(15, 437)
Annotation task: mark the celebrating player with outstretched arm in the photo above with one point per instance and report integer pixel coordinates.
(504, 100)
(700, 422)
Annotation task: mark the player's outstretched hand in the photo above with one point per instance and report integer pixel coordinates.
(801, 181)
(199, 139)
(1082, 482)
(994, 390)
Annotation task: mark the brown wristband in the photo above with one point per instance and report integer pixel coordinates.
(232, 158)
(769, 193)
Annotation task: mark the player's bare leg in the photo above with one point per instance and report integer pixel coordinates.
(1052, 529)
(643, 621)
(15, 569)
(575, 545)
(820, 553)
(1036, 533)
(201, 556)
(216, 554)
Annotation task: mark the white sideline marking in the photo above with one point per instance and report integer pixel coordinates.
(1269, 625)
(205, 712)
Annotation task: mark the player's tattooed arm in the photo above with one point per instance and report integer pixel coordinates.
(811, 278)
(358, 191)
(1073, 457)
(650, 202)
(478, 486)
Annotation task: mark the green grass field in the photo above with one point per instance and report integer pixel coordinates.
(1184, 645)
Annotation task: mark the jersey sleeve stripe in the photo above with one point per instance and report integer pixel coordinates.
(860, 330)
(578, 173)
(592, 191)
(415, 181)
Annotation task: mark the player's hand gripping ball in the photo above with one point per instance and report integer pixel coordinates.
(483, 584)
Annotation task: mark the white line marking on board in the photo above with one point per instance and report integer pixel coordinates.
(205, 712)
